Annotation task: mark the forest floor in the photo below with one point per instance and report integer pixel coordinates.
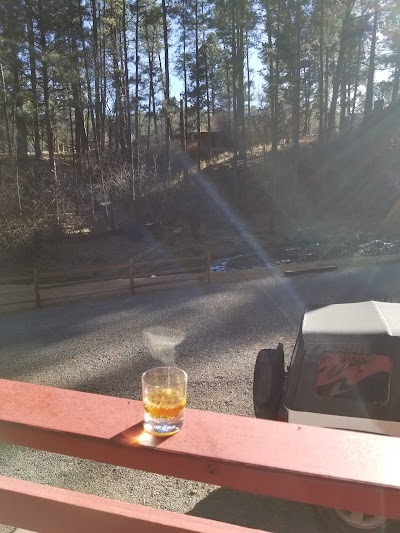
(231, 248)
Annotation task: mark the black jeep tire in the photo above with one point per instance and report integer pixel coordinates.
(269, 378)
(333, 521)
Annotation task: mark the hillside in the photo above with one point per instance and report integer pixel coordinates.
(343, 194)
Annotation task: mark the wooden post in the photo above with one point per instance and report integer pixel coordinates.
(131, 276)
(36, 286)
(209, 267)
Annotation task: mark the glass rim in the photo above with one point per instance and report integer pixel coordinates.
(164, 367)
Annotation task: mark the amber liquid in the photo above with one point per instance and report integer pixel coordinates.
(164, 403)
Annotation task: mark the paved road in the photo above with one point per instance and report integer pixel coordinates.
(214, 332)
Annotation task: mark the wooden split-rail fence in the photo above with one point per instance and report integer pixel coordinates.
(139, 275)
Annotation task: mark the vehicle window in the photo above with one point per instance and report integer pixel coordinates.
(350, 376)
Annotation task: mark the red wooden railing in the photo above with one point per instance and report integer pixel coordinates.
(320, 466)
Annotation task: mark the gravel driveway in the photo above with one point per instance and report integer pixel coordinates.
(214, 332)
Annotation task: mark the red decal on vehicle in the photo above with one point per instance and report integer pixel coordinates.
(351, 367)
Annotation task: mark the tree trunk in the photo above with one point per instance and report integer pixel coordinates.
(97, 77)
(185, 80)
(207, 98)
(78, 121)
(229, 97)
(103, 74)
(242, 145)
(128, 129)
(326, 90)
(128, 132)
(153, 97)
(248, 76)
(354, 100)
(198, 124)
(137, 61)
(369, 96)
(45, 80)
(185, 84)
(277, 78)
(150, 63)
(182, 135)
(348, 100)
(12, 38)
(271, 83)
(148, 125)
(5, 110)
(339, 67)
(321, 48)
(152, 101)
(213, 89)
(307, 96)
(81, 143)
(71, 132)
(119, 131)
(181, 126)
(235, 121)
(274, 68)
(22, 135)
(88, 83)
(167, 110)
(33, 78)
(343, 101)
(396, 81)
(110, 128)
(297, 81)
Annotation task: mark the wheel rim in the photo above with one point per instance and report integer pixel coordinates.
(360, 520)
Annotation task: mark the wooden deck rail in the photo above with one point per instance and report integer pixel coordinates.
(325, 467)
(48, 509)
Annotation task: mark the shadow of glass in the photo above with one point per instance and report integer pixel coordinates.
(258, 512)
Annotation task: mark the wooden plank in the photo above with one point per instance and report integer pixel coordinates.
(76, 271)
(49, 509)
(80, 294)
(88, 270)
(16, 278)
(17, 302)
(13, 291)
(173, 260)
(311, 270)
(169, 272)
(77, 282)
(171, 283)
(166, 281)
(327, 467)
(384, 260)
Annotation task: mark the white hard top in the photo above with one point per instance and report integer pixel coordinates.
(361, 318)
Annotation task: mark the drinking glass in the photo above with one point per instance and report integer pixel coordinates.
(164, 398)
